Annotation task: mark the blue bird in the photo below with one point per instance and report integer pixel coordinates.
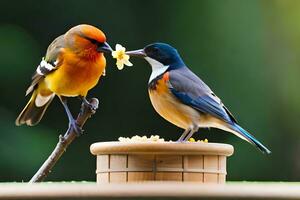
(183, 99)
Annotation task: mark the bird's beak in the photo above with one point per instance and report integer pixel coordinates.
(104, 47)
(137, 53)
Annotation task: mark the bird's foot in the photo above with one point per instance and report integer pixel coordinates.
(180, 140)
(183, 136)
(89, 105)
(73, 126)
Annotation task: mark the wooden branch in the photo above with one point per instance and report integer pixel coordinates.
(64, 141)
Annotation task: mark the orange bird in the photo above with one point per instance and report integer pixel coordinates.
(73, 64)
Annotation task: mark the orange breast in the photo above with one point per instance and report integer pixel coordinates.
(76, 76)
(166, 104)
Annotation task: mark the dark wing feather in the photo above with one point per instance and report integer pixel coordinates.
(51, 60)
(192, 91)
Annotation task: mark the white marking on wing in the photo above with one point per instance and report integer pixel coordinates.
(38, 70)
(45, 66)
(42, 100)
(49, 67)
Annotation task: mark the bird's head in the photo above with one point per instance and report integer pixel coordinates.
(159, 54)
(87, 39)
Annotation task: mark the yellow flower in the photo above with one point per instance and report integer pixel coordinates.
(122, 58)
(191, 140)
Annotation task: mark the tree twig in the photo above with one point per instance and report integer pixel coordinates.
(64, 141)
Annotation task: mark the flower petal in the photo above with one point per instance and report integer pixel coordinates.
(120, 48)
(126, 57)
(127, 63)
(120, 65)
(114, 54)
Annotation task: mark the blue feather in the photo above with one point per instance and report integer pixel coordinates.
(250, 138)
(208, 105)
(203, 104)
(192, 91)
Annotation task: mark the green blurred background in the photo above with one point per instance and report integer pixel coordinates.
(246, 51)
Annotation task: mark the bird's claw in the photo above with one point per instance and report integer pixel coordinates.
(90, 106)
(73, 126)
(180, 140)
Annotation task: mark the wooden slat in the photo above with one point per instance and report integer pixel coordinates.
(211, 163)
(193, 162)
(168, 176)
(102, 162)
(140, 176)
(118, 162)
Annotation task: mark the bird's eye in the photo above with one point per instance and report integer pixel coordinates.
(155, 50)
(93, 41)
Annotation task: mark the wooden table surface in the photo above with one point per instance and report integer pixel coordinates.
(171, 190)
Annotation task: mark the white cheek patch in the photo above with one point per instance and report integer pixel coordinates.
(157, 68)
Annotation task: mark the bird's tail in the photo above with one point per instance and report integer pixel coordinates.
(35, 109)
(242, 133)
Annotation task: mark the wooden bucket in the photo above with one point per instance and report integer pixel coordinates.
(161, 161)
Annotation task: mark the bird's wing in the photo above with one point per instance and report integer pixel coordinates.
(48, 64)
(192, 91)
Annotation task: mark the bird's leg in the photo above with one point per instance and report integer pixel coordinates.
(189, 136)
(72, 121)
(87, 103)
(193, 130)
(181, 139)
